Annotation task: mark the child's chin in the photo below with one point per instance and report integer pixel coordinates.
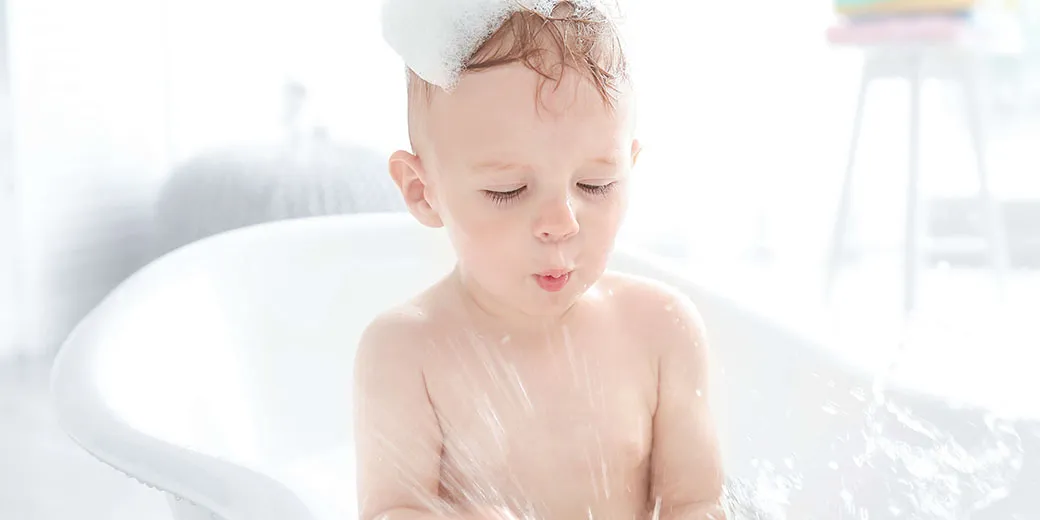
(555, 303)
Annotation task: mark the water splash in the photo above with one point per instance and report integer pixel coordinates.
(906, 466)
(929, 472)
(768, 497)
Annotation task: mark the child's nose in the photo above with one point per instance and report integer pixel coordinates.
(557, 220)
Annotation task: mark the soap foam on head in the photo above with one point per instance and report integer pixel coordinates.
(435, 38)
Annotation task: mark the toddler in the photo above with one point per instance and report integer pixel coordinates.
(530, 382)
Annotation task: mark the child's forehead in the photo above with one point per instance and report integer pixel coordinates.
(516, 92)
(500, 125)
(510, 112)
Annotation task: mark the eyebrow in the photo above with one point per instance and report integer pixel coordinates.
(501, 166)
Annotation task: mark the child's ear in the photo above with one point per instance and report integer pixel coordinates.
(637, 148)
(407, 171)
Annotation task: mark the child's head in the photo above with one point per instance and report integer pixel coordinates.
(526, 160)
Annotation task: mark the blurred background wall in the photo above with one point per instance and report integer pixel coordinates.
(746, 117)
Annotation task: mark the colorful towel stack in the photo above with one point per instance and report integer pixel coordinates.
(874, 22)
(872, 9)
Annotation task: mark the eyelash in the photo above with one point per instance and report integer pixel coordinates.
(503, 197)
(600, 190)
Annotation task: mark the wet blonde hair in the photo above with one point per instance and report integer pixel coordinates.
(585, 41)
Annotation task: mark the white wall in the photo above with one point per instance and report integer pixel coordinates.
(745, 116)
(8, 213)
(109, 94)
(229, 59)
(88, 90)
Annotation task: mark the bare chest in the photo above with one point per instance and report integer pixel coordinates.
(515, 417)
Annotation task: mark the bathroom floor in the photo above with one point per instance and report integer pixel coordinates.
(43, 474)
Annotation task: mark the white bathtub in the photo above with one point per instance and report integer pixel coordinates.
(220, 374)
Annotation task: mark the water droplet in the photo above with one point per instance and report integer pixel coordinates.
(699, 393)
(846, 497)
(833, 465)
(669, 308)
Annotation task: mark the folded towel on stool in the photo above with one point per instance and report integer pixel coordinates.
(896, 7)
(921, 29)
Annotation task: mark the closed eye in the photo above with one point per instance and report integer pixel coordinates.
(598, 189)
(502, 197)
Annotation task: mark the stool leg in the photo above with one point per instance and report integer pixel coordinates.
(994, 225)
(914, 228)
(841, 220)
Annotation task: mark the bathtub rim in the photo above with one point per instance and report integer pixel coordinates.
(226, 489)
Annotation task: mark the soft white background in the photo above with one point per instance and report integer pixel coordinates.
(745, 114)
(108, 95)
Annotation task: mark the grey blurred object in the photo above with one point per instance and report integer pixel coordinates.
(306, 175)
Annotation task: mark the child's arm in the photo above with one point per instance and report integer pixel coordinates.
(686, 475)
(397, 434)
(397, 437)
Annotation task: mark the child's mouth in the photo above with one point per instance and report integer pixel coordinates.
(553, 281)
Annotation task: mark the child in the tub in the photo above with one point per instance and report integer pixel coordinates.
(530, 382)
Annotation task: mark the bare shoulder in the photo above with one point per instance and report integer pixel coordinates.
(394, 340)
(400, 338)
(662, 314)
(649, 299)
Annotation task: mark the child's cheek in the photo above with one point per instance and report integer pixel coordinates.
(479, 239)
